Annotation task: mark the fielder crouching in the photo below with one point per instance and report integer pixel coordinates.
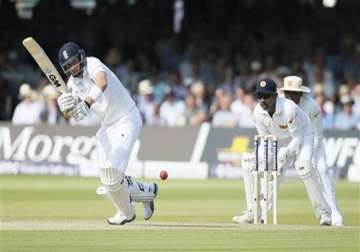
(278, 116)
(93, 86)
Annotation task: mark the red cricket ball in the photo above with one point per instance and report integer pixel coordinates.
(163, 175)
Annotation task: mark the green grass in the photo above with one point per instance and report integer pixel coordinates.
(64, 214)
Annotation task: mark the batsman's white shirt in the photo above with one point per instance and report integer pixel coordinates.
(114, 103)
(120, 119)
(288, 121)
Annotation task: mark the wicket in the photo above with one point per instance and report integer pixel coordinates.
(257, 174)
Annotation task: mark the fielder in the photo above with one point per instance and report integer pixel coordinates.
(295, 91)
(92, 86)
(282, 118)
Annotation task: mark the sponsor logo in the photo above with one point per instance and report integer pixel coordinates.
(54, 81)
(342, 152)
(232, 154)
(38, 147)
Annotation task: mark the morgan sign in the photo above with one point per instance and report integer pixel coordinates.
(200, 152)
(32, 145)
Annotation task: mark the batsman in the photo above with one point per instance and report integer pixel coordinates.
(94, 87)
(281, 117)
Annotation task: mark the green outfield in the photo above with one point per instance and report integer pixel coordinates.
(64, 214)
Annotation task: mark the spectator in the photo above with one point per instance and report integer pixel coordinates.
(224, 117)
(145, 100)
(327, 107)
(156, 119)
(199, 91)
(215, 103)
(193, 114)
(346, 119)
(171, 109)
(50, 113)
(242, 108)
(28, 111)
(159, 83)
(177, 86)
(356, 98)
(344, 90)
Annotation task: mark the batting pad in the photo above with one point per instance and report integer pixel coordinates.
(121, 199)
(111, 178)
(248, 165)
(118, 191)
(140, 191)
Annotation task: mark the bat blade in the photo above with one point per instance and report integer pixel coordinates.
(45, 64)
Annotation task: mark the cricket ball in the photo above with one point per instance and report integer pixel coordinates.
(163, 175)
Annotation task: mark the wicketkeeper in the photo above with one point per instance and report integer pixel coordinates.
(93, 86)
(278, 116)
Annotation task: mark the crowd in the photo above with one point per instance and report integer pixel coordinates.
(200, 75)
(201, 89)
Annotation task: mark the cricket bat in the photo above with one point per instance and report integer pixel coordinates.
(45, 64)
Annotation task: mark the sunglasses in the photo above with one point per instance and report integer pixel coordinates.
(263, 96)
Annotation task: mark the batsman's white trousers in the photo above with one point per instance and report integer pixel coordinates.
(115, 142)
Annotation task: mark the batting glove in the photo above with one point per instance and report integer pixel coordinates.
(66, 102)
(80, 111)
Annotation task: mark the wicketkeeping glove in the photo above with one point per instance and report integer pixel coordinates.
(80, 110)
(66, 102)
(285, 155)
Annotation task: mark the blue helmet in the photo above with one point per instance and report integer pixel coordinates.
(68, 53)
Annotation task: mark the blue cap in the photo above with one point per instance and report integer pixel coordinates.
(266, 86)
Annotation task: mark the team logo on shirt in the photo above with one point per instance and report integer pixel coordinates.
(262, 83)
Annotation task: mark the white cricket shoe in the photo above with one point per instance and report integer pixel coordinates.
(337, 220)
(149, 207)
(325, 220)
(120, 219)
(246, 218)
